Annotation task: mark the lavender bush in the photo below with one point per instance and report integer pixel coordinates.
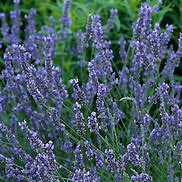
(116, 118)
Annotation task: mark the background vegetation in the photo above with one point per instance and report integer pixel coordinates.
(170, 13)
(50, 11)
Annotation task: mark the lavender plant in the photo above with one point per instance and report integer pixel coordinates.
(118, 123)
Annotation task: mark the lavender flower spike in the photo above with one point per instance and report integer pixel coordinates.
(79, 119)
(89, 31)
(65, 19)
(179, 52)
(113, 14)
(35, 142)
(93, 123)
(143, 177)
(142, 25)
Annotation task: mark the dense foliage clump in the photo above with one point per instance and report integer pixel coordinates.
(111, 115)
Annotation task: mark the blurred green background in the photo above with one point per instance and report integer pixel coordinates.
(170, 13)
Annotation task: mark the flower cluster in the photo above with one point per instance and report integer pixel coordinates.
(110, 122)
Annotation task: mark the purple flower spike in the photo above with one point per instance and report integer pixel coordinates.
(143, 177)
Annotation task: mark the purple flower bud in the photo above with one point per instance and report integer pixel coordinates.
(143, 23)
(79, 119)
(112, 164)
(101, 93)
(113, 14)
(11, 137)
(4, 28)
(16, 23)
(89, 151)
(89, 31)
(81, 175)
(65, 19)
(179, 52)
(163, 89)
(146, 121)
(122, 51)
(78, 157)
(16, 1)
(78, 94)
(133, 155)
(31, 27)
(99, 159)
(80, 50)
(34, 141)
(143, 177)
(93, 123)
